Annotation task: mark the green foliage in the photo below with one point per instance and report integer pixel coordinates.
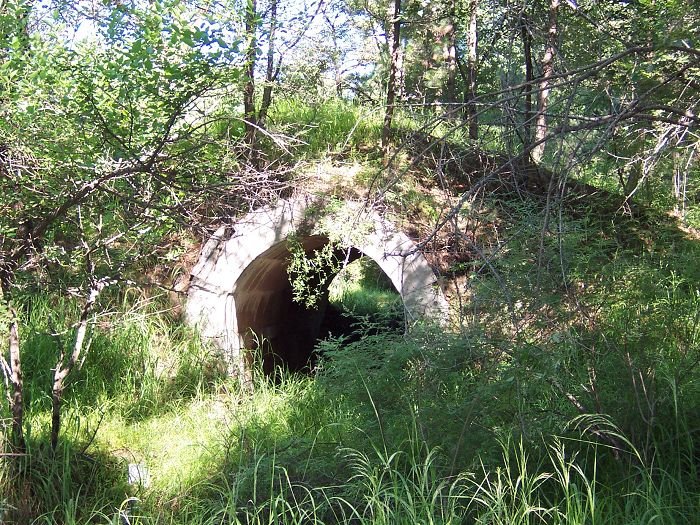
(310, 273)
(94, 135)
(138, 366)
(362, 291)
(450, 425)
(393, 429)
(109, 145)
(329, 127)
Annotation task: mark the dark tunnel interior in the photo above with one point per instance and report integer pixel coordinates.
(272, 325)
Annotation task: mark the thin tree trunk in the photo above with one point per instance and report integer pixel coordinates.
(472, 65)
(450, 55)
(12, 375)
(424, 87)
(336, 56)
(249, 113)
(529, 77)
(272, 70)
(63, 368)
(17, 398)
(395, 62)
(545, 84)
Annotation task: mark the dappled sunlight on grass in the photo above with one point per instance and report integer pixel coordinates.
(432, 425)
(177, 447)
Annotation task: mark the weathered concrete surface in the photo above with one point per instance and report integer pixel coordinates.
(240, 293)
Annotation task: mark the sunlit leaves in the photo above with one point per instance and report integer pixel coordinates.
(155, 62)
(94, 131)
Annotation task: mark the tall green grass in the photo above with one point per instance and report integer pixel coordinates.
(472, 425)
(139, 365)
(315, 450)
(561, 486)
(332, 126)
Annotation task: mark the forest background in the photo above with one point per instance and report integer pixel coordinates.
(544, 154)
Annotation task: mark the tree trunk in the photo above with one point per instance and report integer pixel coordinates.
(395, 63)
(472, 65)
(450, 56)
(545, 85)
(336, 56)
(249, 113)
(529, 77)
(12, 371)
(272, 69)
(63, 367)
(424, 87)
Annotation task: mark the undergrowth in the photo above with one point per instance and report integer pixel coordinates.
(570, 399)
(329, 127)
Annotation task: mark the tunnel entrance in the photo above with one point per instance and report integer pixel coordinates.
(240, 295)
(281, 328)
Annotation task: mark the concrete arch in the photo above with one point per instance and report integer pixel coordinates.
(240, 284)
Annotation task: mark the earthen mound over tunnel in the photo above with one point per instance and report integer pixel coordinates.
(240, 292)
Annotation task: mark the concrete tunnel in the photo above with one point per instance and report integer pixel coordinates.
(240, 297)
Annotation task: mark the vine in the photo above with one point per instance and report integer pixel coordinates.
(309, 273)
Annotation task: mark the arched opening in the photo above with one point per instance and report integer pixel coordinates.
(362, 299)
(282, 331)
(240, 296)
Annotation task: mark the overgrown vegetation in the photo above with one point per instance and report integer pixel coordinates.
(542, 156)
(580, 413)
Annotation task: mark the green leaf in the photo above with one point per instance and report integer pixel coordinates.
(187, 37)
